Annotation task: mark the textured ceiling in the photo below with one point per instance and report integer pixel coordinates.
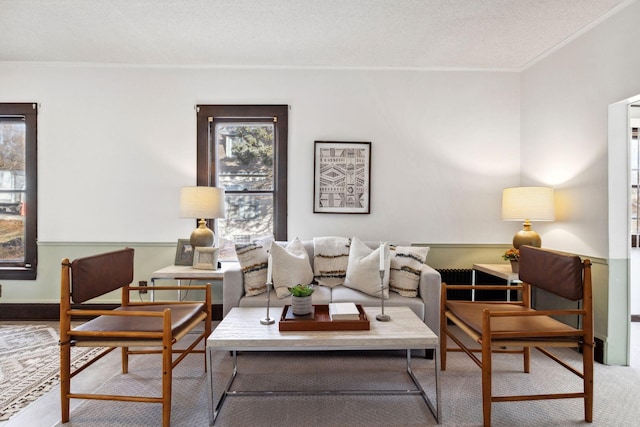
(476, 34)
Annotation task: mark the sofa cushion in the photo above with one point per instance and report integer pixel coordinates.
(363, 270)
(253, 263)
(290, 266)
(331, 256)
(344, 294)
(405, 269)
(321, 296)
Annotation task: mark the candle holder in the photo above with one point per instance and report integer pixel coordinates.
(268, 320)
(382, 317)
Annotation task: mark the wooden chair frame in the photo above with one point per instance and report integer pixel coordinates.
(165, 323)
(514, 327)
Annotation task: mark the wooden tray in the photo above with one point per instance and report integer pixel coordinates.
(321, 321)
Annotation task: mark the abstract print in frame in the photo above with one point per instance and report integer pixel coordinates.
(341, 177)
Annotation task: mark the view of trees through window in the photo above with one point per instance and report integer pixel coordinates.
(12, 189)
(245, 168)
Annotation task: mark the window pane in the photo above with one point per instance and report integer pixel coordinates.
(12, 190)
(245, 156)
(248, 216)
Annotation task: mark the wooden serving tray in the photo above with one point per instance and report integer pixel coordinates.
(321, 321)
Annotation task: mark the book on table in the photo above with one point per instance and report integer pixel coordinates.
(343, 311)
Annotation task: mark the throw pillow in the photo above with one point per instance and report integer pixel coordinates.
(330, 259)
(290, 266)
(253, 263)
(406, 266)
(363, 270)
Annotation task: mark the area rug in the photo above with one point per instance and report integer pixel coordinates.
(30, 364)
(616, 405)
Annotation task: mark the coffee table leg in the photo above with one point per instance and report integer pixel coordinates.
(436, 411)
(215, 410)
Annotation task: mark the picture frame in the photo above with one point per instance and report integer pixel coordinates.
(184, 253)
(341, 180)
(205, 258)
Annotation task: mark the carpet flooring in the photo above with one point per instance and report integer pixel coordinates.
(29, 364)
(617, 389)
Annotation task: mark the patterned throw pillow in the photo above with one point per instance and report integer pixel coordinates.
(406, 266)
(253, 263)
(290, 266)
(330, 259)
(363, 271)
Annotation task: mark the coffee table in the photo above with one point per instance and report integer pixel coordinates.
(241, 330)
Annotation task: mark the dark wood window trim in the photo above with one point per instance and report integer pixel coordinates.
(205, 159)
(28, 269)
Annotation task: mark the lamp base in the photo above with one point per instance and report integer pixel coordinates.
(527, 236)
(201, 236)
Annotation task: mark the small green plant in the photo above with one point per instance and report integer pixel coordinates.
(301, 290)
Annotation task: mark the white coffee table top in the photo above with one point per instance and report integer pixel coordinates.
(241, 330)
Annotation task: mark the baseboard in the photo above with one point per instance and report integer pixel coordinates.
(50, 312)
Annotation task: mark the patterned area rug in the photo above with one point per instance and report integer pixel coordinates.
(30, 364)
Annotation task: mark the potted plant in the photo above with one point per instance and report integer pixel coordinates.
(301, 303)
(513, 256)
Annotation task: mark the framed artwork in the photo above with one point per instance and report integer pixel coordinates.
(184, 253)
(341, 177)
(205, 258)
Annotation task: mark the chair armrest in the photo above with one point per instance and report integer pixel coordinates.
(232, 289)
(429, 292)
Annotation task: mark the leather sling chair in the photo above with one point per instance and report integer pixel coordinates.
(515, 327)
(134, 327)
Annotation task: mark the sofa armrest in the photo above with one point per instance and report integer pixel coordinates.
(429, 292)
(232, 289)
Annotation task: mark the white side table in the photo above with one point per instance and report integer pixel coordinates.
(502, 271)
(187, 272)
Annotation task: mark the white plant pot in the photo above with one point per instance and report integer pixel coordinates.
(301, 306)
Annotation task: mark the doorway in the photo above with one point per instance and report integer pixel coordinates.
(634, 270)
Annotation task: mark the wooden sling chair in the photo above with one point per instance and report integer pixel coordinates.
(514, 327)
(149, 327)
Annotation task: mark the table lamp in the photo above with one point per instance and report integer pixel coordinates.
(527, 204)
(202, 203)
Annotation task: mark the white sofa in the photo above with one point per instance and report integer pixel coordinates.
(426, 305)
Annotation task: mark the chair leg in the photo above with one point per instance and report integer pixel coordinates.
(587, 359)
(443, 350)
(486, 382)
(527, 359)
(125, 360)
(65, 379)
(167, 375)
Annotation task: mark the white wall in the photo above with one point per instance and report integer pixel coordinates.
(116, 143)
(565, 104)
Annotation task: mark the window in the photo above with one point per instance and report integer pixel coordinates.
(18, 191)
(243, 149)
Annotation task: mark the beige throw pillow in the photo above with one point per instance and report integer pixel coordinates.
(406, 266)
(290, 266)
(253, 263)
(363, 270)
(330, 259)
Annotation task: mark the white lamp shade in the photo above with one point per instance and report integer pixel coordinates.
(528, 203)
(202, 202)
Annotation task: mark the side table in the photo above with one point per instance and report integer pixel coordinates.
(502, 271)
(187, 272)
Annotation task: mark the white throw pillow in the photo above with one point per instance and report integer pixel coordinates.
(253, 263)
(330, 259)
(406, 266)
(290, 266)
(363, 271)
